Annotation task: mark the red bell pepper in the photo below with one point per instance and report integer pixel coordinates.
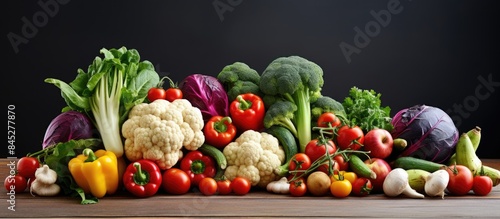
(247, 111)
(142, 178)
(219, 131)
(198, 166)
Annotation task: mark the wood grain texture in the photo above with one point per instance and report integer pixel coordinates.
(255, 204)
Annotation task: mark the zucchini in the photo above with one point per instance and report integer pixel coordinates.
(360, 168)
(217, 155)
(416, 163)
(286, 140)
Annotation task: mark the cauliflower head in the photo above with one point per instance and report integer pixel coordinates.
(158, 130)
(254, 155)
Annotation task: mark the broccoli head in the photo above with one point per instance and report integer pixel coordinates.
(298, 81)
(281, 113)
(327, 104)
(238, 78)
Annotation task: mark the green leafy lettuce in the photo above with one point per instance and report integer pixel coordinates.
(112, 85)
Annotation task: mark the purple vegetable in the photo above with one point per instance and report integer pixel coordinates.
(429, 131)
(206, 93)
(67, 126)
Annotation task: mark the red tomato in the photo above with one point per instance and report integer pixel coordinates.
(342, 162)
(461, 180)
(224, 187)
(173, 93)
(300, 161)
(298, 187)
(156, 93)
(26, 167)
(176, 181)
(362, 187)
(325, 167)
(317, 148)
(482, 185)
(16, 183)
(350, 138)
(207, 186)
(241, 185)
(326, 119)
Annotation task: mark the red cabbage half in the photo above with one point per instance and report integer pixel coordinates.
(67, 126)
(429, 131)
(206, 93)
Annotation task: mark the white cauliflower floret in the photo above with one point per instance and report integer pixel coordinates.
(269, 142)
(157, 131)
(266, 165)
(254, 155)
(249, 135)
(249, 172)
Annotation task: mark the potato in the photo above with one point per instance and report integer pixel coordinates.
(318, 183)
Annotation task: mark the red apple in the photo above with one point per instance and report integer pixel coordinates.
(379, 142)
(381, 168)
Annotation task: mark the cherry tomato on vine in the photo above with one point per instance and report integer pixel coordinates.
(482, 185)
(342, 162)
(298, 187)
(26, 167)
(224, 186)
(461, 180)
(156, 93)
(317, 148)
(173, 93)
(350, 138)
(326, 119)
(329, 168)
(341, 188)
(207, 186)
(300, 161)
(16, 183)
(241, 185)
(362, 187)
(345, 175)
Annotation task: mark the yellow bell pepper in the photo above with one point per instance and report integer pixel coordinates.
(96, 173)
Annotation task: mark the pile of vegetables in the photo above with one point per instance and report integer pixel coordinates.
(240, 130)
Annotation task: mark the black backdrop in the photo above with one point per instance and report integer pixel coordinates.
(439, 53)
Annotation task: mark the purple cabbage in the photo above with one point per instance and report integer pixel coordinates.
(429, 131)
(67, 126)
(206, 93)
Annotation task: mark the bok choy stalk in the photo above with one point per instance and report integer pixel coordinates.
(108, 90)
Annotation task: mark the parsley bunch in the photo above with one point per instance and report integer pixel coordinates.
(363, 108)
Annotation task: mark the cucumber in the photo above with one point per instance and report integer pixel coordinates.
(286, 140)
(360, 168)
(217, 155)
(416, 163)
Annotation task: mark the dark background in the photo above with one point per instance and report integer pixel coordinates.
(430, 52)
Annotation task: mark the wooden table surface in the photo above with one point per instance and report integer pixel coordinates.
(255, 204)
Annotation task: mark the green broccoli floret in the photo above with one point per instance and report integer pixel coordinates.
(327, 104)
(298, 81)
(281, 113)
(238, 78)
